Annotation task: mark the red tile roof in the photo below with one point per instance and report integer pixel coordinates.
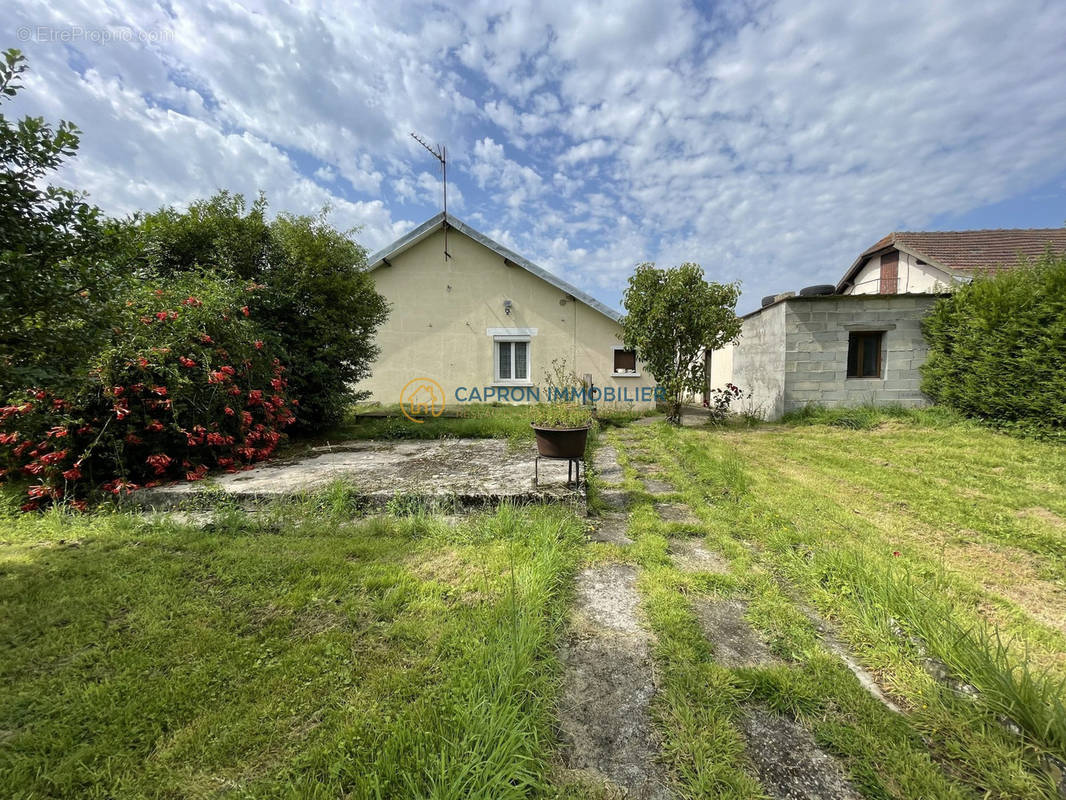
(969, 251)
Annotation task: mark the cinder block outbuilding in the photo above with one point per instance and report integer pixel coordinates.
(860, 341)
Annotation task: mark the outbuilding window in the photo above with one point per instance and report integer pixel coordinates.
(512, 360)
(864, 354)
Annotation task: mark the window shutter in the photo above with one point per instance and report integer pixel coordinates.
(889, 283)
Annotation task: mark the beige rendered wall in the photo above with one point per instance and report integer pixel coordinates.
(914, 278)
(441, 310)
(721, 367)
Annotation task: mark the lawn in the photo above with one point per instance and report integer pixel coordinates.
(476, 421)
(916, 538)
(310, 652)
(306, 654)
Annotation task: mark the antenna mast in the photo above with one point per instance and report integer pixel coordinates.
(439, 152)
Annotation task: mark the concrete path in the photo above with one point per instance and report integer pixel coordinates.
(611, 528)
(783, 753)
(608, 685)
(788, 763)
(690, 555)
(609, 680)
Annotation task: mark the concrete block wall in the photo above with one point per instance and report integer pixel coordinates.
(816, 350)
(759, 363)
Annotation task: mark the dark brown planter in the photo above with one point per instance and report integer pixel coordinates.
(561, 442)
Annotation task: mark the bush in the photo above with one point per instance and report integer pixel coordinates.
(189, 384)
(57, 254)
(315, 295)
(324, 307)
(998, 347)
(720, 399)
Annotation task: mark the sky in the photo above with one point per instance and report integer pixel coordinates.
(770, 141)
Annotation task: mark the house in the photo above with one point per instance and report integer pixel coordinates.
(861, 341)
(484, 324)
(926, 262)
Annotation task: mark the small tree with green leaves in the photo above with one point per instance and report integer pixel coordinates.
(673, 317)
(58, 276)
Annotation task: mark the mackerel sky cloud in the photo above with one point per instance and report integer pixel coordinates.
(769, 141)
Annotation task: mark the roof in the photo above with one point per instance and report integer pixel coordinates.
(966, 252)
(850, 298)
(438, 222)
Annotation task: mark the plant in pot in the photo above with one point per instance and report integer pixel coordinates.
(561, 425)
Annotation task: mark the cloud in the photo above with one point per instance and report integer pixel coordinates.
(502, 177)
(595, 148)
(770, 141)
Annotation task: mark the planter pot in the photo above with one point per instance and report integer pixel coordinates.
(561, 442)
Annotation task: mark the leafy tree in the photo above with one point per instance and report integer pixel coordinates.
(57, 278)
(997, 347)
(673, 316)
(220, 233)
(322, 303)
(314, 293)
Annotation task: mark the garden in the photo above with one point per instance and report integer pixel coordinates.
(312, 650)
(166, 345)
(864, 602)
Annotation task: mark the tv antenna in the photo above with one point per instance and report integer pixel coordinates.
(439, 152)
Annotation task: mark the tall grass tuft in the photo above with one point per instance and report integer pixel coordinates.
(976, 654)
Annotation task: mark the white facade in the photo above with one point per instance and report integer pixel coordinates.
(721, 367)
(913, 277)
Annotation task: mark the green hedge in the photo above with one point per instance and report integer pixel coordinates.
(998, 347)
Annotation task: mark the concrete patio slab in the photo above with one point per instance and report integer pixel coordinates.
(458, 473)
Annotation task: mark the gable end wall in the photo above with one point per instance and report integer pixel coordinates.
(441, 310)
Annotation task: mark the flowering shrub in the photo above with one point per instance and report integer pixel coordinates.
(188, 385)
(720, 399)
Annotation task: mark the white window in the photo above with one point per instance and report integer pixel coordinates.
(511, 359)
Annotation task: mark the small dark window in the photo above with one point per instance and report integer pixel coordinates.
(625, 361)
(864, 354)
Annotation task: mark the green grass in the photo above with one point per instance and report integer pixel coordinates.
(476, 421)
(297, 654)
(307, 651)
(814, 516)
(864, 417)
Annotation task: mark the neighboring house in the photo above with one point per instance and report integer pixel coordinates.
(486, 324)
(861, 342)
(903, 263)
